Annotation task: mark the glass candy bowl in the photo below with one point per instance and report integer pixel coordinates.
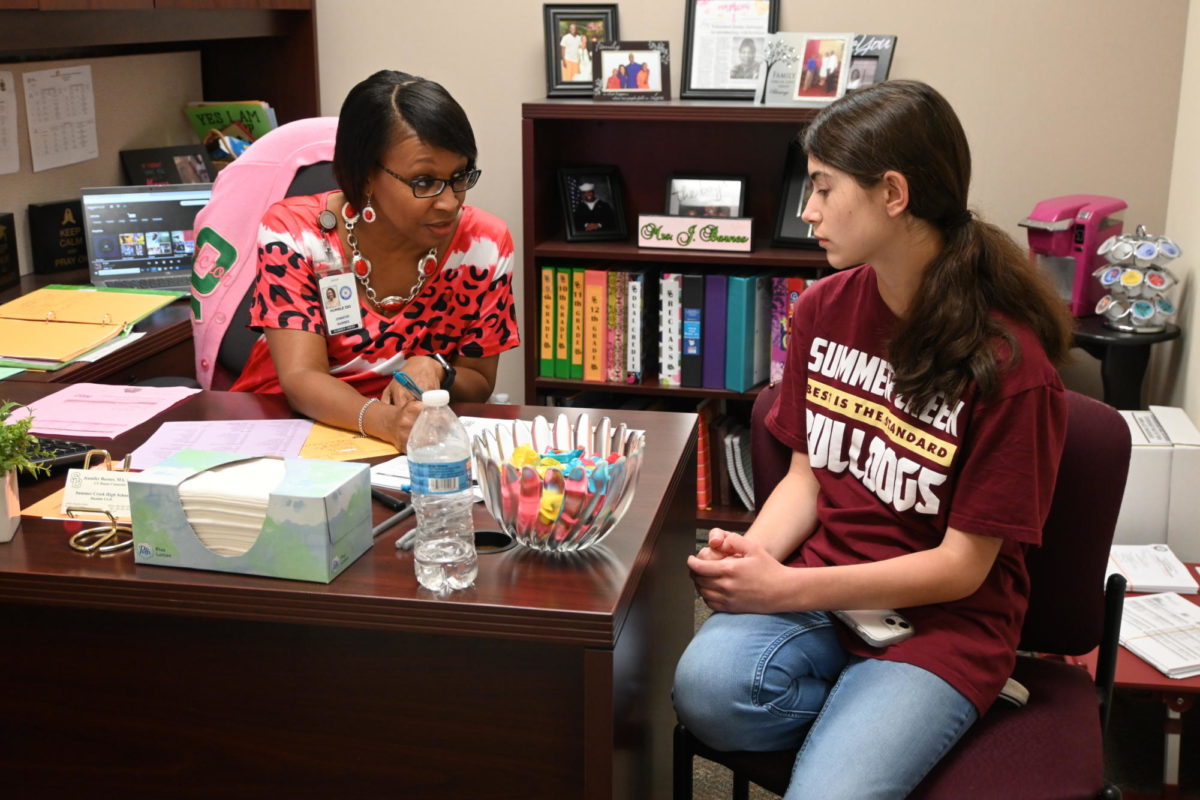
(562, 507)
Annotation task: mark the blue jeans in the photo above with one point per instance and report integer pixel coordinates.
(761, 682)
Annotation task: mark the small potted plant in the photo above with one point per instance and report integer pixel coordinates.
(18, 448)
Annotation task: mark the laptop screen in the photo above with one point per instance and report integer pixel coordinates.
(142, 235)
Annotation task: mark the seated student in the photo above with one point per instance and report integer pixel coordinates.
(430, 292)
(927, 422)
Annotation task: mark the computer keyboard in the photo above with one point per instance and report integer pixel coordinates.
(173, 282)
(61, 452)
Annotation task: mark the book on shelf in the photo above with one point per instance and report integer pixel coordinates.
(595, 321)
(617, 321)
(10, 269)
(1150, 568)
(562, 322)
(546, 345)
(737, 452)
(187, 163)
(635, 311)
(692, 331)
(716, 290)
(722, 485)
(670, 326)
(1164, 631)
(56, 236)
(577, 284)
(255, 116)
(785, 290)
(705, 411)
(747, 356)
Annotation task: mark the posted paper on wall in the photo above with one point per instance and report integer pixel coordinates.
(10, 154)
(60, 108)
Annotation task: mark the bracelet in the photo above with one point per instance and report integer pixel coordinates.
(362, 413)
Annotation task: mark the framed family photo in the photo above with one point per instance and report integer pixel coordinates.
(706, 196)
(809, 69)
(573, 32)
(790, 229)
(723, 45)
(632, 71)
(591, 203)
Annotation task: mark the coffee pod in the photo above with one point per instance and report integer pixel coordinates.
(1103, 303)
(1131, 281)
(1121, 251)
(1106, 245)
(1145, 253)
(1142, 312)
(1116, 309)
(1110, 276)
(1165, 307)
(1167, 250)
(1158, 281)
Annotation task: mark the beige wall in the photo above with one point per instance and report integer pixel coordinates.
(1175, 376)
(139, 103)
(1055, 98)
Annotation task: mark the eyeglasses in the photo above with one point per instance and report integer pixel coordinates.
(426, 186)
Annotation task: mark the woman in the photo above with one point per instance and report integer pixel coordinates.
(432, 275)
(643, 77)
(927, 422)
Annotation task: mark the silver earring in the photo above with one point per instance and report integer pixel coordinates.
(368, 211)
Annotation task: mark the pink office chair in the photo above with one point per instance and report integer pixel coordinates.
(1053, 746)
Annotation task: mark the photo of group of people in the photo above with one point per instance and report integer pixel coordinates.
(823, 62)
(630, 73)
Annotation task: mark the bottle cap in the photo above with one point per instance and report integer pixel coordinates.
(436, 397)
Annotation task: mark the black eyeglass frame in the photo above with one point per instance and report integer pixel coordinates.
(471, 176)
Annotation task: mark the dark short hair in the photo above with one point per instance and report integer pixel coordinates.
(372, 115)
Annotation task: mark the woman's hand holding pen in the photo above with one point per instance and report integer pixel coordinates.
(403, 392)
(738, 575)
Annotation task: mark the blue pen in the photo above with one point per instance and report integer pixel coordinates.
(407, 382)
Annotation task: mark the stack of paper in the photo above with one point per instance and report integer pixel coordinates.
(1150, 568)
(1163, 630)
(49, 327)
(226, 505)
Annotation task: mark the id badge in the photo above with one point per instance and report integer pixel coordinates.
(339, 302)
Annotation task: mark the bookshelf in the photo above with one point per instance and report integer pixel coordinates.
(261, 49)
(648, 143)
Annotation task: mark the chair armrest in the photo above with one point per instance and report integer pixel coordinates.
(1110, 640)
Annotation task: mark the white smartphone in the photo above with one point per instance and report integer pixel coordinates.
(877, 627)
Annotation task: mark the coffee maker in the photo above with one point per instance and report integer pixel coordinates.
(1064, 234)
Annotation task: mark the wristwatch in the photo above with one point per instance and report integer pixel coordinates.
(448, 374)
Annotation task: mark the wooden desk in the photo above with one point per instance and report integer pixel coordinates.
(166, 349)
(1178, 695)
(550, 678)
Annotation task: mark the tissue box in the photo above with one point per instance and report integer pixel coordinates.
(1161, 502)
(318, 519)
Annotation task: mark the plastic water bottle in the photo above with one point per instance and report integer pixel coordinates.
(438, 452)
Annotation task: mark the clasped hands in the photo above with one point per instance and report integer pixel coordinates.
(737, 575)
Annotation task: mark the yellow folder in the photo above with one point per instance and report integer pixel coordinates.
(58, 323)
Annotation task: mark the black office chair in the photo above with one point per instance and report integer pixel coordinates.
(1053, 746)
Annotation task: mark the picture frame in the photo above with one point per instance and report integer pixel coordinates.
(871, 60)
(690, 195)
(188, 163)
(806, 69)
(722, 47)
(618, 65)
(790, 229)
(600, 218)
(596, 23)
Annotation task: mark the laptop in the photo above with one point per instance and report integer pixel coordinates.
(142, 237)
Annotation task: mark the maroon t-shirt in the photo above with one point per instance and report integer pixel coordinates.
(893, 479)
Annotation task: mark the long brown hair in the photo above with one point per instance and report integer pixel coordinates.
(949, 335)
